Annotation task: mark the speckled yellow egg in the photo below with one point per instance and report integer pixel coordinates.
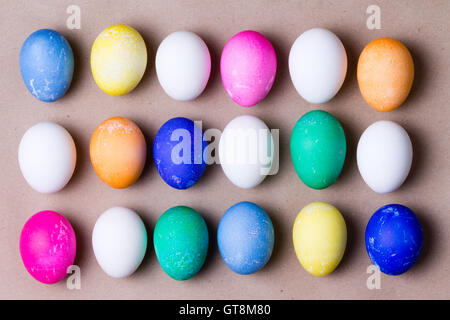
(320, 237)
(385, 73)
(118, 59)
(118, 152)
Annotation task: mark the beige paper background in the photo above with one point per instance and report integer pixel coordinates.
(423, 26)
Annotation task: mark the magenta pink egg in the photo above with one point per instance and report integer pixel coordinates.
(248, 66)
(47, 246)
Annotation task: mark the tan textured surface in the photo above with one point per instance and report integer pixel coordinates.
(423, 26)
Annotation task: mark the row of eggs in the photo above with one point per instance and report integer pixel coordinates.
(248, 65)
(245, 239)
(118, 152)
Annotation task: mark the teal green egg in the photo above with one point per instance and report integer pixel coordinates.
(318, 148)
(181, 242)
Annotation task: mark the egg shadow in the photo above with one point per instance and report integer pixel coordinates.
(282, 76)
(147, 261)
(81, 234)
(79, 66)
(279, 247)
(147, 172)
(353, 51)
(354, 237)
(352, 139)
(207, 268)
(83, 159)
(215, 51)
(283, 154)
(418, 166)
(430, 238)
(419, 87)
(210, 174)
(150, 71)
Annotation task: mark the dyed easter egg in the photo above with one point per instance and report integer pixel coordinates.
(385, 73)
(118, 59)
(47, 157)
(320, 237)
(183, 65)
(178, 152)
(248, 66)
(318, 148)
(384, 156)
(119, 240)
(246, 151)
(118, 152)
(317, 65)
(245, 237)
(46, 64)
(47, 246)
(181, 242)
(394, 239)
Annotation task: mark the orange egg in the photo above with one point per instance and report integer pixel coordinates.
(118, 152)
(385, 73)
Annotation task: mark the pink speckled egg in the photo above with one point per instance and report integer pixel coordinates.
(47, 246)
(248, 66)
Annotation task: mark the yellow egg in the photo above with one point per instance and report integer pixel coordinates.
(118, 59)
(320, 237)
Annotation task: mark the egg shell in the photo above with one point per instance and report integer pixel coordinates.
(246, 151)
(384, 156)
(248, 66)
(118, 59)
(47, 157)
(317, 65)
(47, 246)
(183, 65)
(394, 239)
(46, 64)
(320, 238)
(385, 73)
(178, 152)
(119, 241)
(318, 148)
(118, 152)
(245, 238)
(181, 242)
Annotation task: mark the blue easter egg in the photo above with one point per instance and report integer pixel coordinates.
(245, 237)
(46, 64)
(178, 153)
(394, 239)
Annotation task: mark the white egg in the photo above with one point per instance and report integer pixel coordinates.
(317, 64)
(384, 156)
(47, 157)
(119, 241)
(246, 151)
(183, 65)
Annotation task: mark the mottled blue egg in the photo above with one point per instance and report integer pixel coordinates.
(394, 239)
(245, 238)
(46, 64)
(178, 153)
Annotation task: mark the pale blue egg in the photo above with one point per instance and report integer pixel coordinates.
(46, 64)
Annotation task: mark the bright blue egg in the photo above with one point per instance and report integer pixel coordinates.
(245, 237)
(178, 153)
(394, 239)
(46, 64)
